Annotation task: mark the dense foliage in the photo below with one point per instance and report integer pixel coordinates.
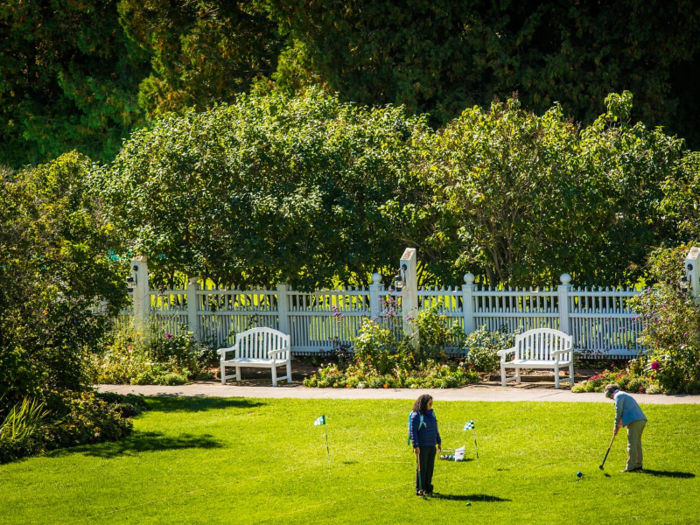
(83, 74)
(154, 358)
(441, 56)
(55, 273)
(69, 79)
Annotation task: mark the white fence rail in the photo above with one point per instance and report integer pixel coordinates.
(600, 321)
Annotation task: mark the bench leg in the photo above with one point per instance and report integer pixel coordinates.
(238, 374)
(503, 374)
(556, 376)
(571, 372)
(274, 375)
(289, 372)
(223, 374)
(517, 376)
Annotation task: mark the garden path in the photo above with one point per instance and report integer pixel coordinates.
(480, 392)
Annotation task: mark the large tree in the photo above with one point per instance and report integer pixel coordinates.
(536, 196)
(271, 189)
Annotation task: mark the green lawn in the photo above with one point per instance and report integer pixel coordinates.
(263, 461)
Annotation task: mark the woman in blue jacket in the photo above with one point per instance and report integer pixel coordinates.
(425, 437)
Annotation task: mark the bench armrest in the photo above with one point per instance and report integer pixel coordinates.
(273, 353)
(504, 353)
(222, 351)
(566, 351)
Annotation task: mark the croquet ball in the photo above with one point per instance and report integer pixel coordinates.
(468, 504)
(579, 474)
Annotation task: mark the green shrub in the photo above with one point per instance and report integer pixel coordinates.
(66, 419)
(481, 348)
(60, 288)
(435, 335)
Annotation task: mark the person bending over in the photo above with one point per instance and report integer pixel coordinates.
(628, 414)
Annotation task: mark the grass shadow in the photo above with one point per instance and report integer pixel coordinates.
(168, 403)
(668, 473)
(139, 442)
(488, 498)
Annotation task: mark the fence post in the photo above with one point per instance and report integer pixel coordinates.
(192, 307)
(142, 298)
(375, 293)
(409, 294)
(282, 308)
(563, 290)
(692, 272)
(468, 303)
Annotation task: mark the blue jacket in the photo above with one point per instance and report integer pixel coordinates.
(427, 435)
(626, 409)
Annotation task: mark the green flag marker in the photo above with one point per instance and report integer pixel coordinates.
(320, 421)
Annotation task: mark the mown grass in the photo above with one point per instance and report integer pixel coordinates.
(263, 461)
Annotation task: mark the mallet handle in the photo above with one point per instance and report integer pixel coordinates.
(607, 452)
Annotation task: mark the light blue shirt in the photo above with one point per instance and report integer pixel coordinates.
(626, 409)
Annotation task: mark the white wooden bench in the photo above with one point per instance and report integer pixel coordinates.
(258, 348)
(538, 349)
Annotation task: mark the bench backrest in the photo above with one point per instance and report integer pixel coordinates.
(538, 344)
(256, 343)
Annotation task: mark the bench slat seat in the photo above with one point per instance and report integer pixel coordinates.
(258, 348)
(541, 348)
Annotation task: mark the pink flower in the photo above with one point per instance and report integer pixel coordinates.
(655, 365)
(168, 336)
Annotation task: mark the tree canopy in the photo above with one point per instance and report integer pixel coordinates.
(309, 189)
(83, 75)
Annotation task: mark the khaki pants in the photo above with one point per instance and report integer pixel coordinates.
(634, 444)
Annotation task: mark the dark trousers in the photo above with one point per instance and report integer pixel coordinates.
(427, 465)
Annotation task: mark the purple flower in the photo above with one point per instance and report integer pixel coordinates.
(168, 336)
(655, 365)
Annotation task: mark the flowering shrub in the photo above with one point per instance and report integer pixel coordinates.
(362, 374)
(157, 358)
(382, 360)
(633, 379)
(670, 321)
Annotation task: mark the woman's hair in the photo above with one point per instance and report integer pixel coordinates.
(610, 390)
(421, 404)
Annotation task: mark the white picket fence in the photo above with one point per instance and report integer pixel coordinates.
(601, 321)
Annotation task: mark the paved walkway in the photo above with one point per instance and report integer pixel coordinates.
(469, 393)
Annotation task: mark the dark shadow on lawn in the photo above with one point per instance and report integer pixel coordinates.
(141, 442)
(667, 473)
(470, 497)
(198, 404)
